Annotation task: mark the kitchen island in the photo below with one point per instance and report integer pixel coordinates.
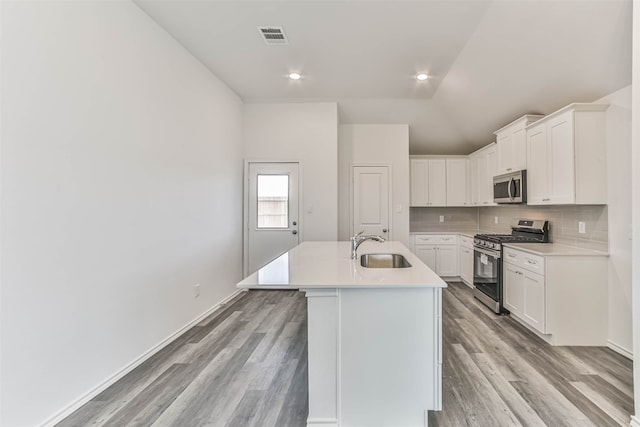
(375, 350)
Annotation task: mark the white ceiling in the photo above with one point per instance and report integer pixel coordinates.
(490, 61)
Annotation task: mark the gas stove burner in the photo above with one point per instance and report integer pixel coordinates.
(522, 231)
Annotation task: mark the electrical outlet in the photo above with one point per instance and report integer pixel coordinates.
(441, 218)
(582, 227)
(196, 290)
(495, 219)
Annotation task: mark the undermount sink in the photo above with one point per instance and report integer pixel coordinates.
(384, 261)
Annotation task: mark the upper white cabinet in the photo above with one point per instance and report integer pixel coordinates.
(457, 194)
(566, 157)
(482, 167)
(428, 182)
(511, 142)
(439, 182)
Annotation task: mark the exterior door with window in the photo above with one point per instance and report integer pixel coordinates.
(273, 221)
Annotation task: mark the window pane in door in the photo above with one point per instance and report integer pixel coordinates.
(273, 201)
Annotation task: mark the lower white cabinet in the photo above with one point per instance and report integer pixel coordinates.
(513, 288)
(439, 252)
(524, 296)
(562, 295)
(465, 257)
(535, 309)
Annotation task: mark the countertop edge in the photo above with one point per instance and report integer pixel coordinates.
(556, 249)
(467, 233)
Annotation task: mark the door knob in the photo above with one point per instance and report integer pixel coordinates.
(294, 232)
(295, 223)
(384, 230)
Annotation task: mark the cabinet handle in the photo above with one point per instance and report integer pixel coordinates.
(531, 262)
(508, 169)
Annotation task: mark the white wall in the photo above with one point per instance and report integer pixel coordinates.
(121, 168)
(619, 214)
(308, 133)
(635, 219)
(388, 144)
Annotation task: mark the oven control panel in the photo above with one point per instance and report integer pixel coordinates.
(486, 244)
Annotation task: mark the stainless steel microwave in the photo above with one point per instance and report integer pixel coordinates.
(510, 187)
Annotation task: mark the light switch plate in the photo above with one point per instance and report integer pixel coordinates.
(495, 219)
(441, 218)
(582, 227)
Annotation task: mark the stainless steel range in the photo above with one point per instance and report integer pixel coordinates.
(487, 258)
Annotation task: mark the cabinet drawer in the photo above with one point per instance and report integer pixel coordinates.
(533, 263)
(466, 242)
(433, 239)
(512, 256)
(447, 239)
(425, 239)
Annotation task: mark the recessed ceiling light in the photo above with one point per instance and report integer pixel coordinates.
(422, 76)
(295, 76)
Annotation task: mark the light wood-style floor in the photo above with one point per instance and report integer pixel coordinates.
(246, 365)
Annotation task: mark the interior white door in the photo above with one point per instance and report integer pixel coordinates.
(371, 200)
(273, 221)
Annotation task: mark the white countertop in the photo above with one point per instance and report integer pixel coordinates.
(328, 265)
(553, 249)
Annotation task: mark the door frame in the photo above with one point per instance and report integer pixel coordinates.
(352, 193)
(245, 207)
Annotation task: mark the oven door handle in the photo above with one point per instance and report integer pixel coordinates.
(486, 252)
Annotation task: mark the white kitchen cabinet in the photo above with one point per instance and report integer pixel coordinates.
(439, 181)
(562, 295)
(465, 263)
(447, 260)
(483, 167)
(427, 254)
(535, 308)
(457, 194)
(513, 289)
(511, 145)
(524, 289)
(428, 182)
(566, 157)
(439, 252)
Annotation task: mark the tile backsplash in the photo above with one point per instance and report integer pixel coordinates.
(428, 219)
(563, 221)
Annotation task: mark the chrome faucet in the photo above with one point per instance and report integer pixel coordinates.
(358, 239)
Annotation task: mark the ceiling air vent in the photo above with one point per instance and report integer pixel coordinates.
(273, 35)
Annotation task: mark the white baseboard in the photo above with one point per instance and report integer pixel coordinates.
(620, 350)
(635, 422)
(73, 406)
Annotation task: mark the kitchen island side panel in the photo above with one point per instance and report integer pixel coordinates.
(389, 356)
